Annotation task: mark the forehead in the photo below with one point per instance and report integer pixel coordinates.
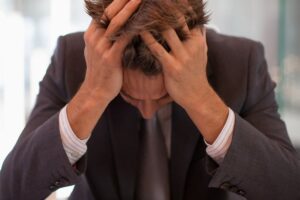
(140, 86)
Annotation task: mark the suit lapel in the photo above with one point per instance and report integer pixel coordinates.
(124, 125)
(184, 139)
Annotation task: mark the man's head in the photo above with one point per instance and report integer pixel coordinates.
(143, 84)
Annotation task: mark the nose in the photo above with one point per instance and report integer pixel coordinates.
(147, 109)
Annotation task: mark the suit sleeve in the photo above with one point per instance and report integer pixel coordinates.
(261, 162)
(38, 164)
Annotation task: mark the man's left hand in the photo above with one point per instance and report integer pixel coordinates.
(184, 70)
(184, 67)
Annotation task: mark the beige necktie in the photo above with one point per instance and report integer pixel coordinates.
(153, 182)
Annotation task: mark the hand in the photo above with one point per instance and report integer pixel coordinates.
(184, 67)
(104, 76)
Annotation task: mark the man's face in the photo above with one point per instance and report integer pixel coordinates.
(147, 93)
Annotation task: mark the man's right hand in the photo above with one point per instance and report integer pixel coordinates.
(104, 76)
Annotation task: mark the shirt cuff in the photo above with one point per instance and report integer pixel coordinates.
(219, 148)
(74, 147)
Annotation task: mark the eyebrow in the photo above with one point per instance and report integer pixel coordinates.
(128, 96)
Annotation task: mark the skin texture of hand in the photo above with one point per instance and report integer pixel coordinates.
(104, 75)
(184, 69)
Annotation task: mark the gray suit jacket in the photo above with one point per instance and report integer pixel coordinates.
(261, 163)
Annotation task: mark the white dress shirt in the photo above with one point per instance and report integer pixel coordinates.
(76, 148)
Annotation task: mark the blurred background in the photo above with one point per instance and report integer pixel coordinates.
(29, 30)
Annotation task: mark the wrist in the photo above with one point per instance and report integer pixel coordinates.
(199, 99)
(209, 114)
(84, 111)
(94, 96)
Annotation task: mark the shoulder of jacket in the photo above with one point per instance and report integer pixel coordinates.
(222, 43)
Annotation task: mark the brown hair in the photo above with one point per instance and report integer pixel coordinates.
(154, 16)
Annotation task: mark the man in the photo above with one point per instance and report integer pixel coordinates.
(217, 115)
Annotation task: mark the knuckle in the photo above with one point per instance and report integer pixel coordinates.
(106, 57)
(108, 12)
(151, 42)
(114, 23)
(185, 60)
(98, 49)
(158, 52)
(88, 40)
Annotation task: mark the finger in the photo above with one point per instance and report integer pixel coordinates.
(96, 32)
(93, 34)
(121, 18)
(174, 42)
(103, 44)
(109, 12)
(121, 43)
(157, 50)
(97, 38)
(198, 33)
(112, 10)
(182, 21)
(93, 27)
